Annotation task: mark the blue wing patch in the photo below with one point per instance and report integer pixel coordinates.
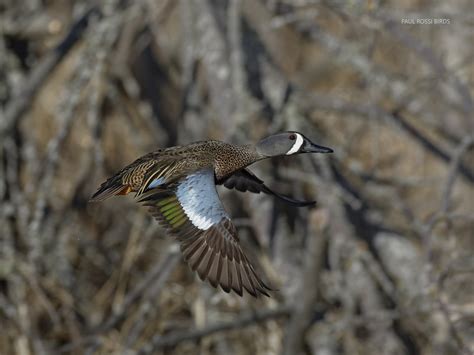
(155, 183)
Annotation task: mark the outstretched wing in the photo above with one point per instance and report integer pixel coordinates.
(244, 180)
(191, 210)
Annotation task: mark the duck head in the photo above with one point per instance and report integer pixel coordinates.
(288, 143)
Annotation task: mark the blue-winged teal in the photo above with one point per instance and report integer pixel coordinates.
(178, 184)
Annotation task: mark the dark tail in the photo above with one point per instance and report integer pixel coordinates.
(111, 187)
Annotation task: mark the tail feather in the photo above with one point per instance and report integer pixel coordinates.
(110, 188)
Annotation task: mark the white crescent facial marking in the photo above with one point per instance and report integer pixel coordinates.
(198, 196)
(297, 145)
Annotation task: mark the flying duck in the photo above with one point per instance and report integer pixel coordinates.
(178, 184)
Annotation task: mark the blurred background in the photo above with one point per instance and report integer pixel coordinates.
(383, 265)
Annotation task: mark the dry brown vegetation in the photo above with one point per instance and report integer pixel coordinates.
(383, 265)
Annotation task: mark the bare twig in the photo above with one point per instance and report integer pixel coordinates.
(24, 98)
(455, 164)
(69, 105)
(301, 317)
(427, 54)
(160, 342)
(212, 49)
(156, 276)
(315, 101)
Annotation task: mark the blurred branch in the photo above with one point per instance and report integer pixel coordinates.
(463, 347)
(455, 165)
(54, 149)
(378, 20)
(212, 49)
(103, 37)
(24, 96)
(350, 53)
(160, 342)
(156, 277)
(321, 102)
(436, 279)
(304, 304)
(428, 55)
(429, 145)
(236, 67)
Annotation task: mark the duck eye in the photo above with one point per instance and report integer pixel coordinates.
(292, 137)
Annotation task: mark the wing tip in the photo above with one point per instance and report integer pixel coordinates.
(240, 293)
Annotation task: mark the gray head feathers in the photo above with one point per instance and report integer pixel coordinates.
(288, 143)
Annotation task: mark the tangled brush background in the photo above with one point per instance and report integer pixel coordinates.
(383, 265)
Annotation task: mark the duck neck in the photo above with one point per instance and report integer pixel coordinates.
(233, 158)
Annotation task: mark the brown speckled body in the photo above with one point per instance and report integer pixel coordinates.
(224, 158)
